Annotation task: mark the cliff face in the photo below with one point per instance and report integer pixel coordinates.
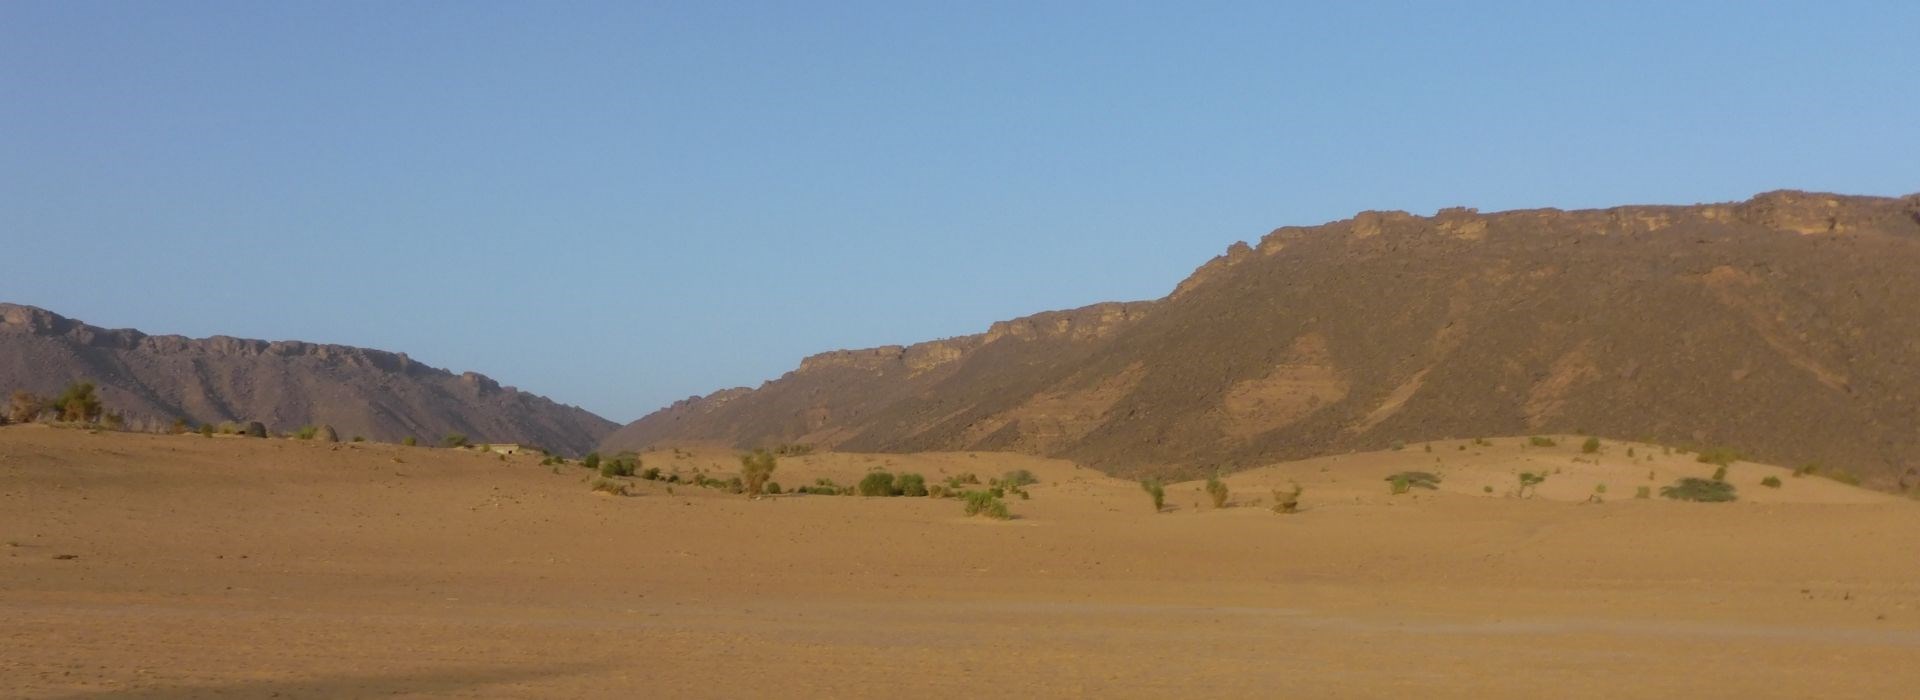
(1785, 326)
(285, 384)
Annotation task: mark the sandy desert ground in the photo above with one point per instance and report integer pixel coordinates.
(182, 566)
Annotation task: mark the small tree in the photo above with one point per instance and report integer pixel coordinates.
(1217, 491)
(1157, 491)
(756, 468)
(1529, 480)
(591, 461)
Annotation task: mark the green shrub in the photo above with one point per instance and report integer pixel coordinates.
(756, 468)
(1287, 501)
(1486, 489)
(616, 467)
(773, 488)
(1720, 474)
(79, 403)
(454, 440)
(650, 474)
(1629, 453)
(1701, 490)
(358, 438)
(876, 484)
(1157, 491)
(1217, 491)
(1772, 482)
(1600, 488)
(1538, 441)
(1405, 481)
(1643, 492)
(937, 491)
(966, 479)
(986, 504)
(1591, 446)
(206, 430)
(409, 441)
(1806, 469)
(591, 461)
(306, 432)
(910, 484)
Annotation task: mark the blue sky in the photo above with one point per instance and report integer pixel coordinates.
(623, 204)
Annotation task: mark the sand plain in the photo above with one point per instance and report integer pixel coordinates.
(182, 566)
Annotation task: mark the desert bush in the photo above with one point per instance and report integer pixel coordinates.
(1157, 491)
(616, 467)
(876, 484)
(1600, 488)
(409, 441)
(1405, 481)
(756, 468)
(206, 430)
(454, 440)
(1772, 482)
(1720, 473)
(937, 491)
(1528, 482)
(792, 450)
(1397, 445)
(1843, 477)
(255, 429)
(306, 432)
(650, 473)
(611, 486)
(1287, 501)
(966, 479)
(79, 403)
(25, 407)
(1701, 490)
(358, 438)
(1806, 469)
(1217, 491)
(1018, 478)
(1538, 441)
(1643, 492)
(772, 488)
(591, 461)
(1629, 453)
(1722, 456)
(1591, 446)
(986, 504)
(910, 484)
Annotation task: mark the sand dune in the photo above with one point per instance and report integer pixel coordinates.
(161, 566)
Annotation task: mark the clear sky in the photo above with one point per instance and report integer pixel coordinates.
(623, 204)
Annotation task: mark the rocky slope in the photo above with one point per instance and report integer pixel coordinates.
(285, 384)
(1785, 326)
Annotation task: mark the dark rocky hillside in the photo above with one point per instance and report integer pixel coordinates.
(1786, 326)
(377, 394)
